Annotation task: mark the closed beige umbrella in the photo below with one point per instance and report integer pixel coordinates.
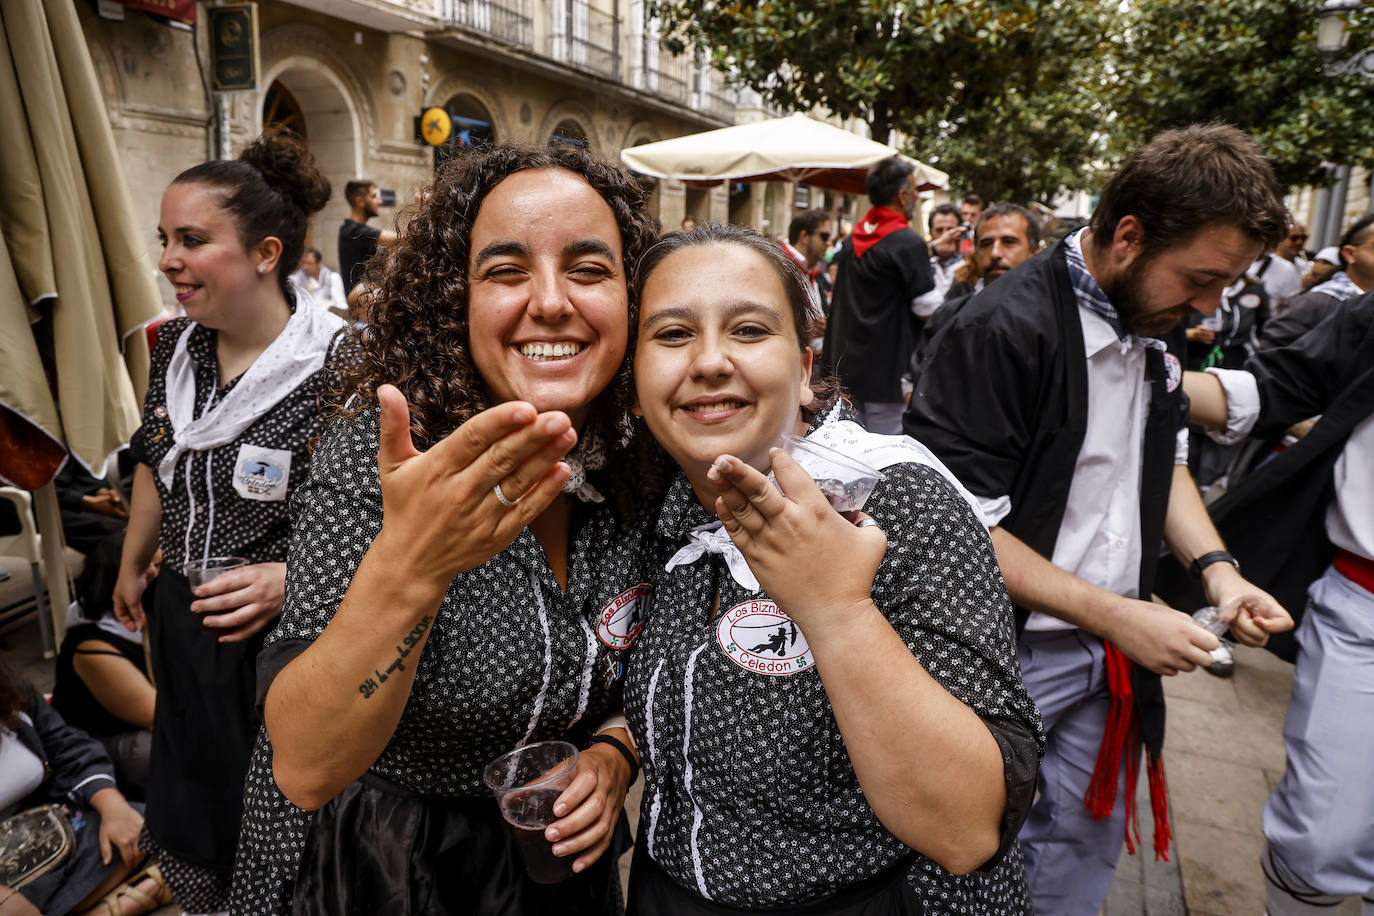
(75, 285)
(66, 217)
(795, 148)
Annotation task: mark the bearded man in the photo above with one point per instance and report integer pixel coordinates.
(1050, 399)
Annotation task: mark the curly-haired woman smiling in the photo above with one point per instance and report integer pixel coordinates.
(444, 605)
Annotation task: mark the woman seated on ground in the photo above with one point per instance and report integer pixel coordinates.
(102, 682)
(45, 761)
(907, 757)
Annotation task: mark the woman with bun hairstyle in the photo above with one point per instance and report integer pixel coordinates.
(230, 409)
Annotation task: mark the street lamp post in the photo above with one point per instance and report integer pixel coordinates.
(1332, 35)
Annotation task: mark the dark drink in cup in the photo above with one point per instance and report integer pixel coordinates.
(527, 782)
(541, 864)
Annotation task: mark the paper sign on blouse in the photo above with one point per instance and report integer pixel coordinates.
(262, 473)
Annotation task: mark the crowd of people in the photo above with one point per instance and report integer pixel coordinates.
(539, 487)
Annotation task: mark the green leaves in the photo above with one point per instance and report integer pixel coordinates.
(1020, 98)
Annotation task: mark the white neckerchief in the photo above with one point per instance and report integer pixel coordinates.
(106, 624)
(296, 354)
(850, 439)
(712, 538)
(1339, 286)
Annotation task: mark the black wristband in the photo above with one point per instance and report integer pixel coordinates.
(1207, 559)
(624, 752)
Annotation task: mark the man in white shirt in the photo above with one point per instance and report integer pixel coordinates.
(808, 236)
(1311, 506)
(1280, 278)
(945, 233)
(1050, 399)
(1291, 248)
(325, 286)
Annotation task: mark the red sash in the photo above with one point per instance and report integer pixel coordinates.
(1122, 736)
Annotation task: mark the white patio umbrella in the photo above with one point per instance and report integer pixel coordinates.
(795, 148)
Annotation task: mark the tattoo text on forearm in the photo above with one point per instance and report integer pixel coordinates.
(412, 639)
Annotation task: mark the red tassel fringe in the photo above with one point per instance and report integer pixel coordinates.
(1122, 736)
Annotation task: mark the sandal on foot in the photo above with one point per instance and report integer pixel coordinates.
(144, 902)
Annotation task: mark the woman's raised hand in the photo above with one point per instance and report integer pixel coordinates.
(815, 563)
(441, 514)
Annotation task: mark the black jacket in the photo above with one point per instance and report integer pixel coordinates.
(871, 332)
(75, 765)
(1002, 399)
(1274, 520)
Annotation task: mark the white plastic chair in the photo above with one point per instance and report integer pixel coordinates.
(26, 545)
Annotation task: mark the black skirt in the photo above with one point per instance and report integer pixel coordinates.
(204, 725)
(378, 849)
(653, 892)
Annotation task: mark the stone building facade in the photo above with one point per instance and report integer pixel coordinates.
(352, 76)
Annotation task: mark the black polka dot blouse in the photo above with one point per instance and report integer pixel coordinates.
(750, 798)
(512, 658)
(203, 515)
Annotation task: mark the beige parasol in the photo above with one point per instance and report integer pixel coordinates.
(76, 284)
(795, 148)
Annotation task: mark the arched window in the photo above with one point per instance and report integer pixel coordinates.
(471, 126)
(569, 131)
(280, 107)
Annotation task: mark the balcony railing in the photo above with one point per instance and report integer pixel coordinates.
(718, 103)
(507, 21)
(665, 74)
(587, 37)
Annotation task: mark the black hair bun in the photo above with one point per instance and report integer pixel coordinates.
(289, 167)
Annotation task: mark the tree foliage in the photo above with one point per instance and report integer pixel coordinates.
(1255, 65)
(1019, 100)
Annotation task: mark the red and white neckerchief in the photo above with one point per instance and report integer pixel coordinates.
(800, 261)
(813, 290)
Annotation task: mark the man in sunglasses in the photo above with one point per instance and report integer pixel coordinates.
(1293, 248)
(808, 236)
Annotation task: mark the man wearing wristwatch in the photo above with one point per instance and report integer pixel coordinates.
(1305, 522)
(1050, 399)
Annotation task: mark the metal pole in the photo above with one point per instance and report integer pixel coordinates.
(54, 568)
(222, 147)
(1319, 209)
(1336, 216)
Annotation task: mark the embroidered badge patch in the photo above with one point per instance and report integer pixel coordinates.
(1250, 301)
(623, 618)
(759, 637)
(1173, 372)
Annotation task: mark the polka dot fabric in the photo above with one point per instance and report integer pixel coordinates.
(203, 510)
(750, 798)
(481, 686)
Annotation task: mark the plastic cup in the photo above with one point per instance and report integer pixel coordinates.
(526, 783)
(198, 572)
(845, 481)
(1207, 619)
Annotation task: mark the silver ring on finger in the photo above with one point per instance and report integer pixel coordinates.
(868, 523)
(501, 497)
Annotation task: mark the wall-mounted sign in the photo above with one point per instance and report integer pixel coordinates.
(435, 126)
(184, 10)
(233, 33)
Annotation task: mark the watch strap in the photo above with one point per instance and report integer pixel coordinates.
(1207, 559)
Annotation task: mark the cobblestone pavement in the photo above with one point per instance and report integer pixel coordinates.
(1223, 755)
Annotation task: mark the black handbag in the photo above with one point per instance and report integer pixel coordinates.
(33, 843)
